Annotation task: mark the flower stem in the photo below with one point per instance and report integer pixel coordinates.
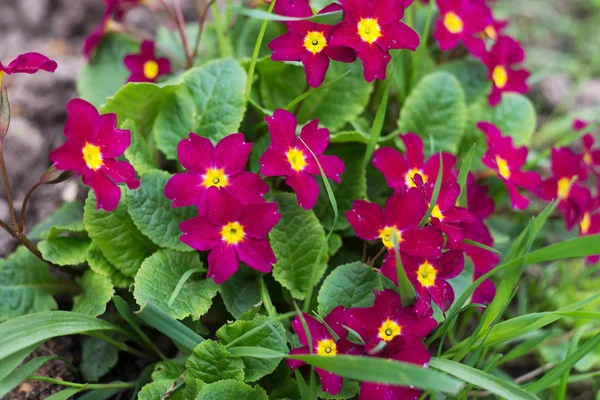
(259, 39)
(91, 386)
(201, 20)
(24, 207)
(9, 198)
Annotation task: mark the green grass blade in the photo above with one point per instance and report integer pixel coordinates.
(8, 364)
(65, 394)
(312, 91)
(13, 379)
(435, 194)
(481, 246)
(405, 288)
(182, 282)
(462, 176)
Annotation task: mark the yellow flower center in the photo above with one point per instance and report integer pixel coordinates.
(386, 236)
(426, 274)
(503, 169)
(587, 157)
(232, 233)
(92, 156)
(490, 31)
(215, 177)
(500, 76)
(1, 77)
(150, 69)
(436, 213)
(410, 176)
(315, 42)
(453, 23)
(296, 159)
(369, 30)
(585, 224)
(563, 188)
(326, 347)
(389, 330)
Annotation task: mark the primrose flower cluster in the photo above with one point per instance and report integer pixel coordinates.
(370, 29)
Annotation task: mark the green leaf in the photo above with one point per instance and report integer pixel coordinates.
(20, 374)
(155, 390)
(123, 245)
(349, 391)
(65, 250)
(211, 362)
(482, 379)
(334, 106)
(140, 154)
(65, 394)
(349, 285)
(241, 292)
(8, 364)
(296, 241)
(97, 292)
(349, 137)
(210, 102)
(334, 244)
(97, 358)
(160, 274)
(21, 332)
(353, 186)
(231, 390)
(100, 265)
(67, 214)
(167, 370)
(436, 111)
(106, 73)
(26, 285)
(472, 76)
(151, 212)
(260, 332)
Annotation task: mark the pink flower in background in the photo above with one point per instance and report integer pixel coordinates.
(308, 41)
(508, 161)
(372, 28)
(479, 203)
(462, 21)
(591, 155)
(402, 214)
(146, 66)
(232, 232)
(500, 62)
(28, 63)
(589, 224)
(288, 156)
(93, 144)
(221, 166)
(399, 170)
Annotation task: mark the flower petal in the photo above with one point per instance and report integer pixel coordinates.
(391, 163)
(259, 219)
(366, 219)
(195, 153)
(231, 153)
(186, 189)
(222, 207)
(282, 127)
(375, 61)
(274, 162)
(257, 254)
(247, 187)
(306, 188)
(121, 171)
(317, 139)
(107, 192)
(201, 234)
(222, 263)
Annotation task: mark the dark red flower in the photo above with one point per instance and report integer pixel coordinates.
(323, 343)
(485, 293)
(399, 170)
(93, 144)
(145, 66)
(372, 28)
(28, 63)
(308, 41)
(221, 166)
(565, 166)
(479, 203)
(500, 61)
(591, 155)
(507, 161)
(400, 349)
(233, 232)
(287, 155)
(590, 225)
(462, 21)
(402, 214)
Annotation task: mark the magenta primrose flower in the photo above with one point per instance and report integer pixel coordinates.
(308, 41)
(507, 161)
(402, 214)
(479, 203)
(399, 171)
(146, 66)
(288, 156)
(27, 63)
(93, 144)
(500, 62)
(324, 344)
(387, 319)
(462, 21)
(573, 201)
(402, 349)
(372, 28)
(590, 225)
(591, 155)
(232, 232)
(221, 166)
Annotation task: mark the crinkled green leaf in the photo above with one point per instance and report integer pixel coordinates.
(472, 76)
(160, 274)
(211, 362)
(123, 245)
(231, 390)
(100, 265)
(167, 370)
(156, 390)
(436, 111)
(334, 244)
(65, 250)
(151, 212)
(209, 102)
(241, 292)
(296, 241)
(68, 214)
(26, 286)
(349, 285)
(258, 332)
(97, 292)
(97, 358)
(349, 137)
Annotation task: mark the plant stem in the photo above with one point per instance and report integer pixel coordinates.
(224, 48)
(24, 207)
(266, 299)
(9, 198)
(120, 345)
(255, 52)
(379, 253)
(201, 20)
(91, 386)
(180, 23)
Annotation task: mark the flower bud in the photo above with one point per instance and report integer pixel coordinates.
(4, 110)
(53, 176)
